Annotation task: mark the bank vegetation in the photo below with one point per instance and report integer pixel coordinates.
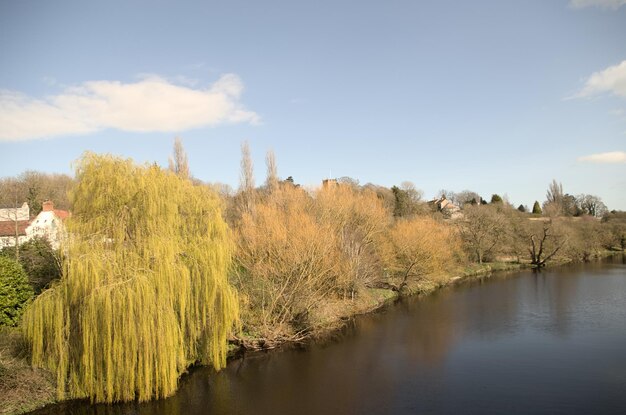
(162, 271)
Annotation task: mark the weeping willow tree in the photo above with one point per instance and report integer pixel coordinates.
(144, 291)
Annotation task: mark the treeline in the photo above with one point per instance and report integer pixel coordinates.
(162, 269)
(35, 188)
(499, 232)
(297, 250)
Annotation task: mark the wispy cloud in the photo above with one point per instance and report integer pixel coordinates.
(610, 157)
(149, 105)
(605, 4)
(610, 80)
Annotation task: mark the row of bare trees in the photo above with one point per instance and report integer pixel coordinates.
(34, 188)
(559, 203)
(500, 232)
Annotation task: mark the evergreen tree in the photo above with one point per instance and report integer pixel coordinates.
(144, 291)
(39, 260)
(15, 291)
(537, 208)
(402, 204)
(495, 198)
(521, 208)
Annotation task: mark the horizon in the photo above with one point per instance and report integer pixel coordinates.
(490, 97)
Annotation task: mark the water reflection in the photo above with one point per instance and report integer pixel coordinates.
(549, 342)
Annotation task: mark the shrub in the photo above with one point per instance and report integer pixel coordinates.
(15, 291)
(286, 264)
(422, 247)
(39, 260)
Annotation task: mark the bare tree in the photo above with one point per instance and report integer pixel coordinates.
(246, 179)
(483, 230)
(554, 199)
(468, 197)
(545, 243)
(591, 205)
(408, 200)
(350, 182)
(178, 161)
(413, 192)
(421, 248)
(272, 171)
(555, 192)
(34, 188)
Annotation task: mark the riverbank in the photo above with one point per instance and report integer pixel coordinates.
(333, 315)
(23, 389)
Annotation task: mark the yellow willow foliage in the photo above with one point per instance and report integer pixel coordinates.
(144, 291)
(422, 247)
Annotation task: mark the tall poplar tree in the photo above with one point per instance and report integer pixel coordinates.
(178, 160)
(144, 291)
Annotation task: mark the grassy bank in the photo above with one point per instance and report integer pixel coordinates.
(22, 388)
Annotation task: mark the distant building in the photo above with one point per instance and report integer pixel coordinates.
(13, 214)
(48, 224)
(8, 230)
(447, 208)
(327, 183)
(13, 222)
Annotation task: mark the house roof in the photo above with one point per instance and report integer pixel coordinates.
(7, 227)
(62, 214)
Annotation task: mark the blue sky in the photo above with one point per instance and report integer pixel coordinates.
(492, 96)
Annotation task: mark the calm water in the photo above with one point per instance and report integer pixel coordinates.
(524, 343)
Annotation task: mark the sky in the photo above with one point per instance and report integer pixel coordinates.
(492, 96)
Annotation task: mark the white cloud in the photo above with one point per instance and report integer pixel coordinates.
(151, 104)
(611, 157)
(605, 4)
(611, 79)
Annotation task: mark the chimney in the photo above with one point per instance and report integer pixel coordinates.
(48, 206)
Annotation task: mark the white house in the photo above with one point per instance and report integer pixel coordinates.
(13, 223)
(13, 214)
(48, 224)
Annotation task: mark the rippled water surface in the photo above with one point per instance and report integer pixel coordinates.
(522, 343)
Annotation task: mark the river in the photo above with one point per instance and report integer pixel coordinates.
(518, 343)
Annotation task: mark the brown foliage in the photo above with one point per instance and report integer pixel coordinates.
(359, 220)
(483, 231)
(287, 263)
(35, 187)
(422, 247)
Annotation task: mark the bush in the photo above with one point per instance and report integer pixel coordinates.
(422, 249)
(39, 260)
(15, 291)
(287, 263)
